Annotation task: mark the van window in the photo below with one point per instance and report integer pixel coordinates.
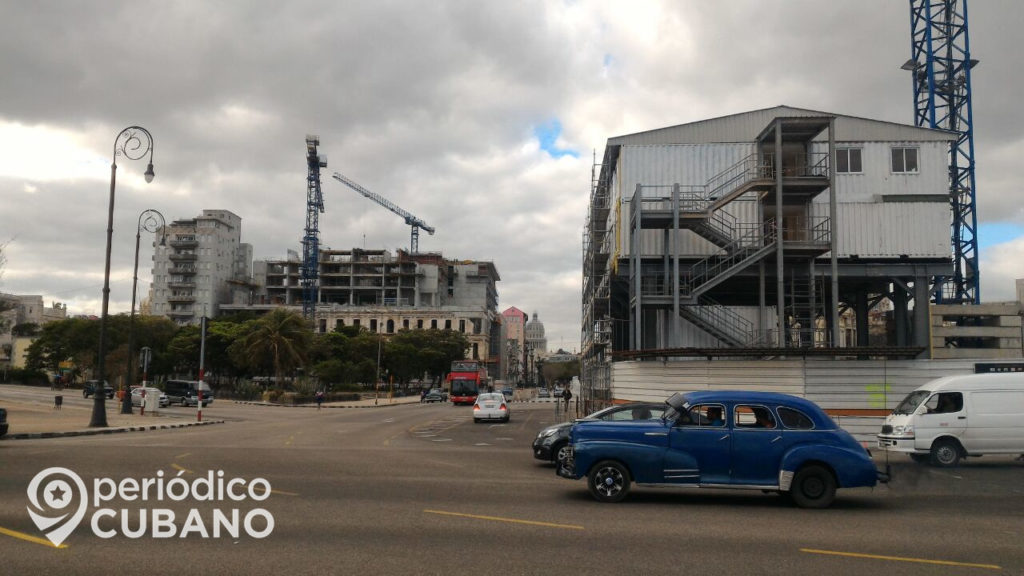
(945, 403)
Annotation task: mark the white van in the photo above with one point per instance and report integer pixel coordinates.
(958, 416)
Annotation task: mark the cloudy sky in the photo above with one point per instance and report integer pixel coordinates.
(480, 117)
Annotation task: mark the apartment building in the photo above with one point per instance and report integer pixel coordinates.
(200, 265)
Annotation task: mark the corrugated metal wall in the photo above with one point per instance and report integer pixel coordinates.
(832, 384)
(877, 178)
(892, 229)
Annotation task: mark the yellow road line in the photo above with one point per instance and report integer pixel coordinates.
(510, 520)
(182, 468)
(182, 455)
(29, 538)
(901, 559)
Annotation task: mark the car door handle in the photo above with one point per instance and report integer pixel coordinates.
(726, 437)
(961, 417)
(655, 434)
(776, 439)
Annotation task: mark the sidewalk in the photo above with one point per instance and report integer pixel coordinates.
(364, 403)
(29, 420)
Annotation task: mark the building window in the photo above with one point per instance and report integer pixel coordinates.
(391, 326)
(462, 326)
(323, 325)
(338, 323)
(904, 160)
(419, 324)
(433, 324)
(447, 324)
(848, 160)
(405, 323)
(355, 321)
(373, 325)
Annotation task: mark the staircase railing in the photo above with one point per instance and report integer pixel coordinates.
(754, 239)
(728, 324)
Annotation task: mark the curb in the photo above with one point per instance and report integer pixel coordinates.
(36, 435)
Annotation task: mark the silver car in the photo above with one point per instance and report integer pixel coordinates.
(491, 406)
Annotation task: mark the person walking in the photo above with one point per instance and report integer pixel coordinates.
(567, 396)
(319, 398)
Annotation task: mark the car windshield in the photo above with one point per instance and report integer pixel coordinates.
(911, 402)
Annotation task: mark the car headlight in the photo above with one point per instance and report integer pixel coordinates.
(903, 430)
(546, 433)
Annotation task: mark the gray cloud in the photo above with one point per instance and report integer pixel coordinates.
(434, 106)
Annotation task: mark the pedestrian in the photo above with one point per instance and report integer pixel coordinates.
(567, 395)
(319, 398)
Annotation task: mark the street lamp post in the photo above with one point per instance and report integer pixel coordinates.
(153, 221)
(134, 142)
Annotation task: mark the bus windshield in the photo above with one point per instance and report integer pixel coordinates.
(464, 387)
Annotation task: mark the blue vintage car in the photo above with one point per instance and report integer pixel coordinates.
(723, 439)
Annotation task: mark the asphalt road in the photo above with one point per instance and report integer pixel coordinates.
(421, 489)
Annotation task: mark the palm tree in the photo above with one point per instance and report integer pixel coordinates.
(282, 337)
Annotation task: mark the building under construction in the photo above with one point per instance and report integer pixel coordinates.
(752, 234)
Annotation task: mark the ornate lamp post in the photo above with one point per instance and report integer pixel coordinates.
(152, 222)
(134, 142)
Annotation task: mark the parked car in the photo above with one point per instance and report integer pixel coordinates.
(3, 422)
(491, 406)
(723, 439)
(507, 393)
(435, 395)
(89, 388)
(186, 392)
(543, 393)
(163, 401)
(958, 416)
(552, 443)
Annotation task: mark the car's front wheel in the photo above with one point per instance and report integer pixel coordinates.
(608, 481)
(945, 453)
(813, 487)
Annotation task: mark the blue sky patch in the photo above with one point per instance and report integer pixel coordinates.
(547, 134)
(998, 233)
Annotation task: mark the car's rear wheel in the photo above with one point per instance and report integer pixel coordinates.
(945, 453)
(608, 481)
(813, 487)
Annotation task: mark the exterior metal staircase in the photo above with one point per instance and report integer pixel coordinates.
(721, 322)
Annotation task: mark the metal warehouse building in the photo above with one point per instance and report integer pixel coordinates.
(753, 234)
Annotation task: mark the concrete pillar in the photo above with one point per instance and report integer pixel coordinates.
(861, 308)
(899, 315)
(922, 332)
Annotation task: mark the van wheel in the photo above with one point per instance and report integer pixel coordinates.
(813, 487)
(945, 453)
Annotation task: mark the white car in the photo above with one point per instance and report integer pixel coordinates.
(137, 396)
(491, 406)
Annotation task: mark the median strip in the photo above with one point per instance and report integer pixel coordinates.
(509, 520)
(900, 559)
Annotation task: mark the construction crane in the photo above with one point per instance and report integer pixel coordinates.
(414, 222)
(941, 65)
(310, 273)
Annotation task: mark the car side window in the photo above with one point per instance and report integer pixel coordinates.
(945, 403)
(795, 419)
(754, 417)
(704, 415)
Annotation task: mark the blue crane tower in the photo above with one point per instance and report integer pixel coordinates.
(310, 273)
(416, 223)
(941, 65)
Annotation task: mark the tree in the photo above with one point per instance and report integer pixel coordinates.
(279, 341)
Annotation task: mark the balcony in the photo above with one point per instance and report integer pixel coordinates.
(182, 256)
(180, 284)
(181, 298)
(184, 242)
(183, 270)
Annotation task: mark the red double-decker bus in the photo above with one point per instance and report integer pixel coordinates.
(464, 381)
